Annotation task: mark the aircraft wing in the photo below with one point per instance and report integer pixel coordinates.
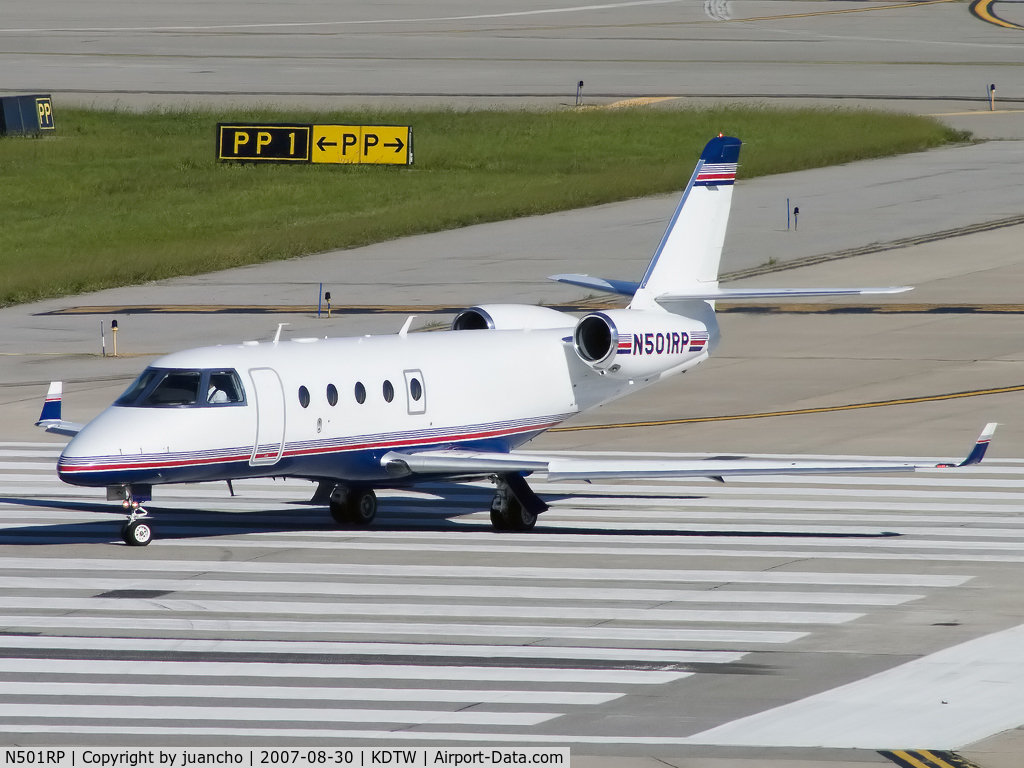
(466, 463)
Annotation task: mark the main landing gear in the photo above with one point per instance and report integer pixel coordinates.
(515, 506)
(137, 532)
(353, 506)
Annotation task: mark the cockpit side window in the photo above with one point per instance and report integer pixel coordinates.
(170, 388)
(175, 388)
(224, 387)
(138, 387)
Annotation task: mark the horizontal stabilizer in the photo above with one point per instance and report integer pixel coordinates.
(620, 287)
(711, 294)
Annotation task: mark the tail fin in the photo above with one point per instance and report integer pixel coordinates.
(691, 248)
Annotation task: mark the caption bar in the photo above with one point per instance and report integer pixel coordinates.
(188, 757)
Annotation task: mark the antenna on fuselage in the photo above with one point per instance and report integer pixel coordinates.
(405, 328)
(277, 336)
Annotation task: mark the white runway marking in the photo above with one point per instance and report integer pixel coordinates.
(300, 693)
(282, 647)
(576, 594)
(946, 701)
(378, 629)
(274, 714)
(313, 671)
(260, 607)
(557, 575)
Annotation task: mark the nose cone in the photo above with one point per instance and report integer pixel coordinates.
(93, 456)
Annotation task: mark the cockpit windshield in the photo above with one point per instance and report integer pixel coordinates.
(170, 388)
(175, 388)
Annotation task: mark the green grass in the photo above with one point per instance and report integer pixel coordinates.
(117, 198)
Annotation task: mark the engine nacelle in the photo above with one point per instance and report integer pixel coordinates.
(511, 317)
(628, 342)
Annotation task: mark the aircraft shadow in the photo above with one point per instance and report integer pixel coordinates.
(438, 514)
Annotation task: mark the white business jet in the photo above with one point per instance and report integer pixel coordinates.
(355, 414)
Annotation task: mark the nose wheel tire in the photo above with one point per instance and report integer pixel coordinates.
(137, 533)
(359, 507)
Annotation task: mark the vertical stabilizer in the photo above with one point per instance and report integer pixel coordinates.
(691, 248)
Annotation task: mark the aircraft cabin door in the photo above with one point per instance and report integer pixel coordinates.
(415, 391)
(269, 442)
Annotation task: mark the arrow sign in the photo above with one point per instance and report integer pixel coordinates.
(364, 144)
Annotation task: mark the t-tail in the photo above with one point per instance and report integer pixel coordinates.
(685, 266)
(690, 251)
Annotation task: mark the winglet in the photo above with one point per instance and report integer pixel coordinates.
(51, 406)
(49, 418)
(981, 446)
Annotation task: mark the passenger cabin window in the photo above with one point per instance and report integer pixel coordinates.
(174, 388)
(303, 397)
(332, 394)
(389, 391)
(360, 393)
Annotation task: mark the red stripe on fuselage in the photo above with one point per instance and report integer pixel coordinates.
(396, 443)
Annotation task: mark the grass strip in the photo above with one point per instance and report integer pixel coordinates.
(118, 198)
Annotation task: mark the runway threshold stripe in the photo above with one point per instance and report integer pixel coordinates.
(380, 629)
(134, 711)
(277, 693)
(798, 411)
(407, 610)
(68, 668)
(575, 594)
(557, 575)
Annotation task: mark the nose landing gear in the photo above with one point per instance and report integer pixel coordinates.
(137, 532)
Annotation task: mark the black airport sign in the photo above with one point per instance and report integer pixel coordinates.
(256, 143)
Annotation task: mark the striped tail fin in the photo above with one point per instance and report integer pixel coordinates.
(690, 250)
